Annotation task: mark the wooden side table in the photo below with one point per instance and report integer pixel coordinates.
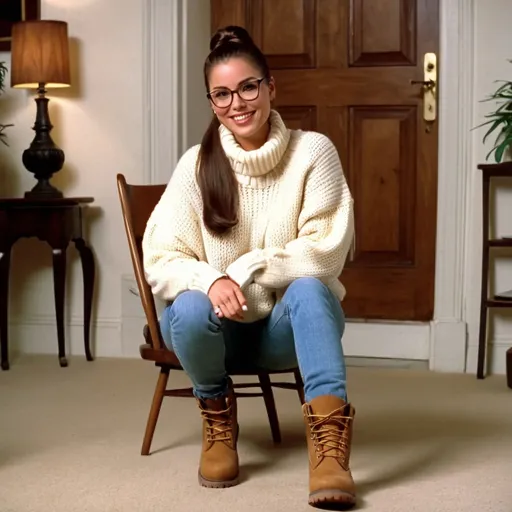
(57, 222)
(499, 300)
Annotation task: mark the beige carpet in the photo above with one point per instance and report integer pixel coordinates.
(70, 441)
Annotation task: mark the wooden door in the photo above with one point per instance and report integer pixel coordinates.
(344, 68)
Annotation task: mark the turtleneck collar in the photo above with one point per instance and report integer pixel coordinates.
(259, 161)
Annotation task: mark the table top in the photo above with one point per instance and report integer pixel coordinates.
(22, 202)
(503, 169)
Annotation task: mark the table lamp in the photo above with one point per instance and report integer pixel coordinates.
(40, 60)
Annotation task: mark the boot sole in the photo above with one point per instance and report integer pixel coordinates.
(332, 499)
(213, 484)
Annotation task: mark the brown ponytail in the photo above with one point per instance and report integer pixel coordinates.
(215, 177)
(217, 182)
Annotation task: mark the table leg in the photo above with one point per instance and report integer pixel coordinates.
(88, 270)
(5, 258)
(59, 286)
(509, 367)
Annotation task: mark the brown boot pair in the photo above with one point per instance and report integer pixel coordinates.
(329, 435)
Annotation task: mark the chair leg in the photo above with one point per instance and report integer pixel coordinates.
(158, 396)
(300, 386)
(270, 404)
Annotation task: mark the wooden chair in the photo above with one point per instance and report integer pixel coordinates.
(137, 203)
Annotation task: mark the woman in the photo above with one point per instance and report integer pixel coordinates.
(247, 244)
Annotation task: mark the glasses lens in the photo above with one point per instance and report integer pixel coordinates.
(221, 97)
(250, 90)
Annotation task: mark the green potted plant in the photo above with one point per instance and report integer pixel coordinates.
(3, 72)
(500, 119)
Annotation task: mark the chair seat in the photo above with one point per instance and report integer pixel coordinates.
(160, 356)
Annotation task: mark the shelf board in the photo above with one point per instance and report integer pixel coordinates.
(500, 300)
(500, 242)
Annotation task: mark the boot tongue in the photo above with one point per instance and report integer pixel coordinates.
(324, 405)
(217, 404)
(217, 416)
(335, 423)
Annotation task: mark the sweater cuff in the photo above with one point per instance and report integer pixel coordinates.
(242, 270)
(204, 277)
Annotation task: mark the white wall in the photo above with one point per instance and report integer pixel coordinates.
(492, 51)
(106, 106)
(98, 125)
(197, 39)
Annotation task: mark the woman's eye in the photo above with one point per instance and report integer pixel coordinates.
(248, 87)
(220, 94)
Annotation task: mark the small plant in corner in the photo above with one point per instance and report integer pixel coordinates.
(3, 72)
(500, 119)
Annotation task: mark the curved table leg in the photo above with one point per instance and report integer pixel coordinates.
(5, 258)
(59, 285)
(88, 270)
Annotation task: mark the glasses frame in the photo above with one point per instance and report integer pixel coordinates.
(236, 91)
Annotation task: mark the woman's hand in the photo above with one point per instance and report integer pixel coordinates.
(227, 299)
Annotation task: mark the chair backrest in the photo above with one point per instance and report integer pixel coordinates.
(137, 204)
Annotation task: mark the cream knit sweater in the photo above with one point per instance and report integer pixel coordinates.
(295, 220)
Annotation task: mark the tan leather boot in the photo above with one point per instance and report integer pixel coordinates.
(329, 423)
(219, 459)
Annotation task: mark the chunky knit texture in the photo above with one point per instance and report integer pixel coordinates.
(295, 220)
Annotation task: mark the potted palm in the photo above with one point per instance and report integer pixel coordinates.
(500, 121)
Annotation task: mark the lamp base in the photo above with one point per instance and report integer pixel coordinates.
(44, 190)
(43, 158)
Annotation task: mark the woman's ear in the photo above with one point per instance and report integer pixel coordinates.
(272, 89)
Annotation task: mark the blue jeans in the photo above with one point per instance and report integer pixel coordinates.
(305, 327)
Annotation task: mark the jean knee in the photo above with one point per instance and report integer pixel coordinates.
(307, 286)
(191, 303)
(188, 317)
(315, 296)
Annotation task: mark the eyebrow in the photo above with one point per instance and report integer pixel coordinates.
(238, 85)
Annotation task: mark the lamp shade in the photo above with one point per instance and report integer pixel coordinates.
(40, 54)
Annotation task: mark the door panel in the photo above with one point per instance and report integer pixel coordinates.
(344, 68)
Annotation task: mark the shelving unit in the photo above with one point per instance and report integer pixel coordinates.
(500, 299)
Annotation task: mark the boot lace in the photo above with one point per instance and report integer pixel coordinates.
(218, 425)
(330, 434)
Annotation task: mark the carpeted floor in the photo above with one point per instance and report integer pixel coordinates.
(70, 441)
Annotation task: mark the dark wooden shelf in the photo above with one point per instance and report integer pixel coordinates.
(493, 303)
(500, 242)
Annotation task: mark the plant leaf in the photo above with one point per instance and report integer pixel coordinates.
(495, 125)
(500, 150)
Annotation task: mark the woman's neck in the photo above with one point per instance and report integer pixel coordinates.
(263, 154)
(257, 140)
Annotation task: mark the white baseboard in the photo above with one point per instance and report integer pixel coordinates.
(448, 346)
(392, 340)
(496, 357)
(38, 335)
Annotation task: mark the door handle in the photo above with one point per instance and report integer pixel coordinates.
(429, 84)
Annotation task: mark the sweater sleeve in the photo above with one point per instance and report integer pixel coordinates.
(172, 244)
(325, 230)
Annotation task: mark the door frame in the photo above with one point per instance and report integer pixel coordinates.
(443, 341)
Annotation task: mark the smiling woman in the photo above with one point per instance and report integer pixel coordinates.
(247, 244)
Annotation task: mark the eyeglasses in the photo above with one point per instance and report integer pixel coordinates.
(248, 91)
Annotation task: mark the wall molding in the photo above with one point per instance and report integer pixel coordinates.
(37, 334)
(163, 121)
(456, 108)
